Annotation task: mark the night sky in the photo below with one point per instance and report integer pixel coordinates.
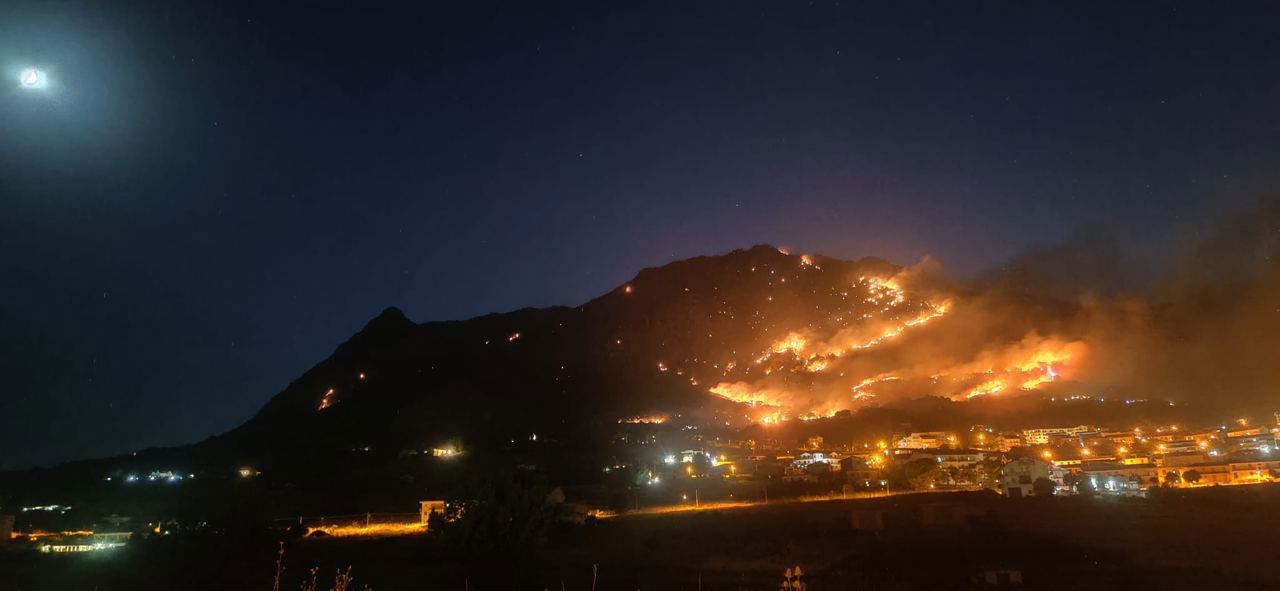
(204, 201)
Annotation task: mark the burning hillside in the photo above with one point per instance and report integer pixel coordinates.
(760, 335)
(858, 345)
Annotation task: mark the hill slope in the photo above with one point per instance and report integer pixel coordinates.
(755, 335)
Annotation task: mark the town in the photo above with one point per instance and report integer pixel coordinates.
(664, 464)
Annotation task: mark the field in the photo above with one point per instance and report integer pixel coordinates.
(1210, 538)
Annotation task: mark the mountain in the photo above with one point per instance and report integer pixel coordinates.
(734, 344)
(752, 336)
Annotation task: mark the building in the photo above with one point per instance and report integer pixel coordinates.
(1262, 442)
(1118, 437)
(1008, 441)
(1119, 478)
(1209, 473)
(927, 440)
(1017, 478)
(859, 470)
(1182, 459)
(809, 458)
(1042, 436)
(1177, 446)
(690, 456)
(958, 458)
(93, 542)
(426, 508)
(1254, 470)
(1058, 475)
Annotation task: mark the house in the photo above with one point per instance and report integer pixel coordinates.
(426, 508)
(1017, 478)
(1041, 436)
(857, 470)
(1253, 468)
(1008, 441)
(812, 466)
(1183, 459)
(958, 458)
(1209, 473)
(1122, 479)
(1263, 442)
(927, 440)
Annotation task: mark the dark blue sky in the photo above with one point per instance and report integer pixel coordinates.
(206, 200)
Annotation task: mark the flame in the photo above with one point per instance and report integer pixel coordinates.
(745, 393)
(816, 364)
(859, 389)
(327, 400)
(793, 343)
(986, 388)
(645, 420)
(822, 358)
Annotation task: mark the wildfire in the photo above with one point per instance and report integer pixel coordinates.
(860, 389)
(745, 393)
(375, 530)
(645, 420)
(816, 364)
(822, 365)
(772, 418)
(793, 343)
(986, 388)
(327, 400)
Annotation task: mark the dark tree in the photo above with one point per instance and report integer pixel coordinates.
(1043, 487)
(503, 515)
(1191, 476)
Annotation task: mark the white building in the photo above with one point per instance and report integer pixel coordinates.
(1017, 478)
(1041, 436)
(927, 440)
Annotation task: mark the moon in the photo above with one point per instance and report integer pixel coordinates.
(31, 78)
